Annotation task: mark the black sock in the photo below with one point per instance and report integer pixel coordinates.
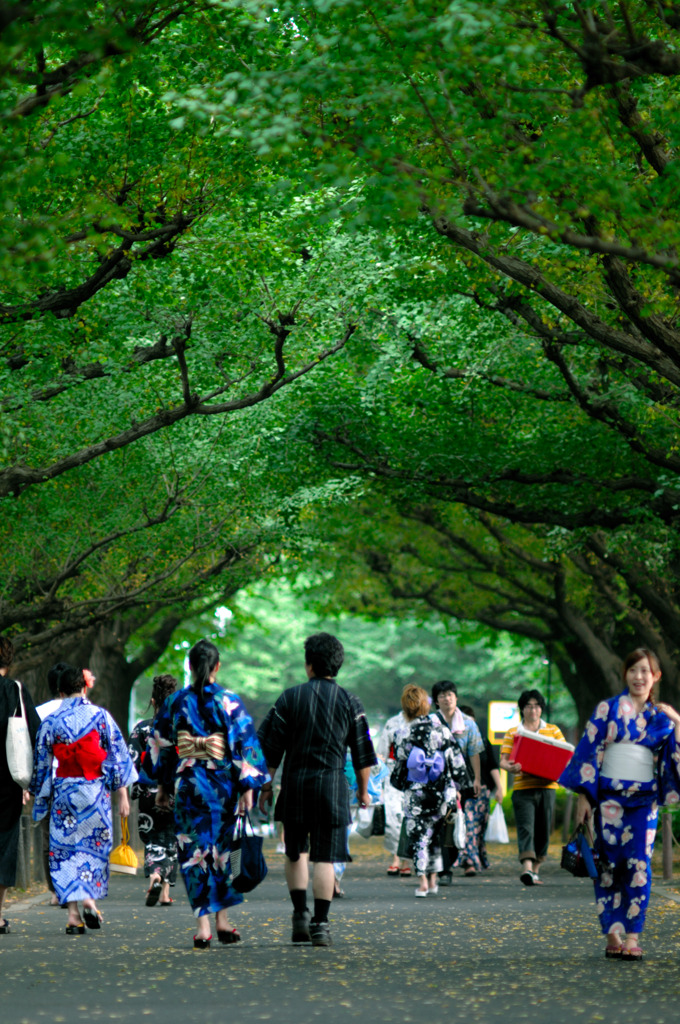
(299, 898)
(321, 908)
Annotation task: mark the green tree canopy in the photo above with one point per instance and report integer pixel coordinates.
(470, 208)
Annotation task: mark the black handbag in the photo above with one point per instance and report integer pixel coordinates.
(248, 866)
(579, 858)
(378, 820)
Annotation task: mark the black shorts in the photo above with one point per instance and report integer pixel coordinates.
(324, 843)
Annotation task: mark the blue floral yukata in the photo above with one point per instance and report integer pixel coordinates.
(207, 788)
(93, 761)
(625, 810)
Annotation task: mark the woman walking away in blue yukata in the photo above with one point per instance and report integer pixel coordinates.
(619, 787)
(204, 746)
(92, 763)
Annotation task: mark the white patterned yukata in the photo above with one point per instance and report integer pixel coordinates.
(395, 729)
(432, 789)
(625, 810)
(93, 762)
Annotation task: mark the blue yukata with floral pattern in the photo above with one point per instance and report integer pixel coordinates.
(207, 790)
(81, 834)
(625, 812)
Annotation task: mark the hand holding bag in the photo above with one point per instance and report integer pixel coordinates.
(497, 830)
(578, 858)
(454, 829)
(248, 866)
(18, 746)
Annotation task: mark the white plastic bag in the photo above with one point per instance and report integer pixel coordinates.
(497, 830)
(460, 829)
(364, 821)
(18, 746)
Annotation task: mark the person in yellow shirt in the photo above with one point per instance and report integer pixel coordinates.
(533, 798)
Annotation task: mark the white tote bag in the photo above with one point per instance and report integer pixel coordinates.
(497, 830)
(18, 747)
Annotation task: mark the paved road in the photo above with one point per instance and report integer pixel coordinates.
(486, 949)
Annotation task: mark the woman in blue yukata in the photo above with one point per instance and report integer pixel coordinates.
(624, 765)
(92, 762)
(204, 746)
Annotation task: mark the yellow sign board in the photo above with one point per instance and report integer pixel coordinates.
(503, 715)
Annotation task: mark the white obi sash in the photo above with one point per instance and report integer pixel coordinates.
(629, 761)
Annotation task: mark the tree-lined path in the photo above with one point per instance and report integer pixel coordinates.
(485, 949)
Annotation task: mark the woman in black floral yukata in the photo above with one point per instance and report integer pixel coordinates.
(436, 769)
(156, 824)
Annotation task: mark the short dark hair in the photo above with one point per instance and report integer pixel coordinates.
(54, 677)
(325, 654)
(443, 686)
(467, 709)
(71, 680)
(527, 695)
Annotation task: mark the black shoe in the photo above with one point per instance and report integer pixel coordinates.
(4, 928)
(202, 943)
(75, 929)
(227, 937)
(320, 932)
(301, 927)
(153, 894)
(92, 917)
(446, 878)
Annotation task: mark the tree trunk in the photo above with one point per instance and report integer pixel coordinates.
(102, 650)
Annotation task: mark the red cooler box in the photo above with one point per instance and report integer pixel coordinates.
(541, 755)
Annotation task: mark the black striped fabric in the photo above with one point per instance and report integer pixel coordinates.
(311, 727)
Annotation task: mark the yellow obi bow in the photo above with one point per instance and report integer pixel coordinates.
(200, 746)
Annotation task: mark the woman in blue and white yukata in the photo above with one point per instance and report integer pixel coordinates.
(205, 748)
(624, 765)
(92, 763)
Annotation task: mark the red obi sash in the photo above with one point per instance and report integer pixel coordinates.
(82, 759)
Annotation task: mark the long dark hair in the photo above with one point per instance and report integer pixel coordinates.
(203, 658)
